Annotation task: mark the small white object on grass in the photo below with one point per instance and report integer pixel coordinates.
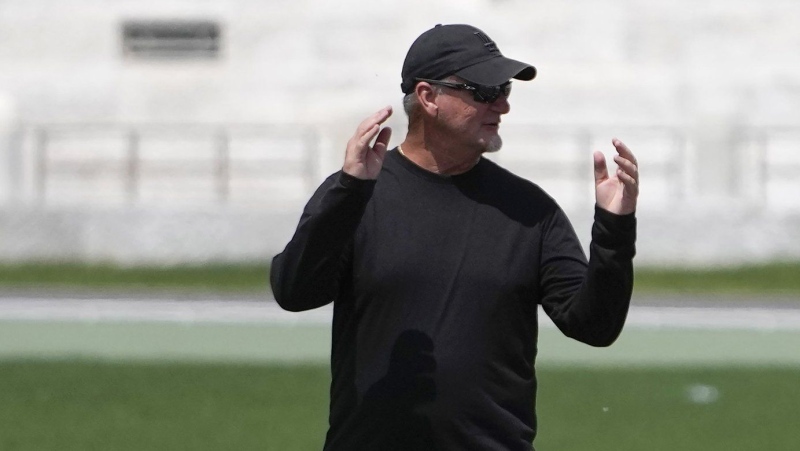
(702, 394)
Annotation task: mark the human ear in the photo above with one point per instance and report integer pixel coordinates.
(427, 96)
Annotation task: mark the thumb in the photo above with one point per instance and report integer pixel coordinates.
(382, 142)
(600, 168)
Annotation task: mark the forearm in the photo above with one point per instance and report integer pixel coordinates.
(595, 311)
(308, 272)
(605, 295)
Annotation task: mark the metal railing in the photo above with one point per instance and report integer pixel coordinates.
(205, 162)
(229, 163)
(752, 166)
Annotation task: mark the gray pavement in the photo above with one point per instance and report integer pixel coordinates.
(181, 326)
(770, 314)
(717, 300)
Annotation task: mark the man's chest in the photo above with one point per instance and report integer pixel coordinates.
(442, 243)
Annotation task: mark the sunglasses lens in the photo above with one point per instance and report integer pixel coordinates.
(488, 94)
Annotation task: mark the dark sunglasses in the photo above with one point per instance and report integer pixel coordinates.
(481, 93)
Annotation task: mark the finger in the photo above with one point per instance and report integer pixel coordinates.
(630, 184)
(382, 142)
(624, 151)
(383, 137)
(600, 168)
(377, 118)
(627, 166)
(366, 137)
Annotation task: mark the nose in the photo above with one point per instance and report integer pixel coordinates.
(501, 105)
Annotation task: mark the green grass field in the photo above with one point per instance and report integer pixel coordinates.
(78, 405)
(224, 278)
(766, 279)
(86, 405)
(205, 386)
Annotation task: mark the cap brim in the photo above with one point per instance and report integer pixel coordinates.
(496, 71)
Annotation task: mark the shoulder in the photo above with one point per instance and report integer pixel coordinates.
(509, 184)
(519, 199)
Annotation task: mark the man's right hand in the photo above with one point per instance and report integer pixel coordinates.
(362, 160)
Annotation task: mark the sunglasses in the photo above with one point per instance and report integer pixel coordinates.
(481, 93)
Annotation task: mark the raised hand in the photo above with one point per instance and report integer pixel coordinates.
(617, 193)
(362, 160)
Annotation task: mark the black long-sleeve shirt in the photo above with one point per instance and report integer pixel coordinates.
(435, 282)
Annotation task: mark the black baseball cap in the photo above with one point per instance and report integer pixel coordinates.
(460, 50)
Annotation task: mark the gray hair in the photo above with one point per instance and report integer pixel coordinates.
(411, 103)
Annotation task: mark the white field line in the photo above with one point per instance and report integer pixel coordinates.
(268, 312)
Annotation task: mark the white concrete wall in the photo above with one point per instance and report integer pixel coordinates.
(330, 63)
(710, 69)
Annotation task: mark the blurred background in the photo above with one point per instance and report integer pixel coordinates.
(175, 131)
(154, 155)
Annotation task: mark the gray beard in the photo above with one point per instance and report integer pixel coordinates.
(494, 144)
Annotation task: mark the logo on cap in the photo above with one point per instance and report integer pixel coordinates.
(487, 42)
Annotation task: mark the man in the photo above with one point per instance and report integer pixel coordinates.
(435, 260)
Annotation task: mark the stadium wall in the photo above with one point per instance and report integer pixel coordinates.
(706, 93)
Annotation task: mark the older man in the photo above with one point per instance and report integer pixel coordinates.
(436, 259)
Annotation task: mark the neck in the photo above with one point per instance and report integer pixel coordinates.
(439, 159)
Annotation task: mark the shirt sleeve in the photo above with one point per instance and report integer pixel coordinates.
(589, 301)
(308, 273)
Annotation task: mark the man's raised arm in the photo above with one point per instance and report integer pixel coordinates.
(308, 273)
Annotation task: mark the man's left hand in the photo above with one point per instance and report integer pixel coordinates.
(617, 194)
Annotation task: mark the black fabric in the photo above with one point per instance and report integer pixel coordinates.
(435, 282)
